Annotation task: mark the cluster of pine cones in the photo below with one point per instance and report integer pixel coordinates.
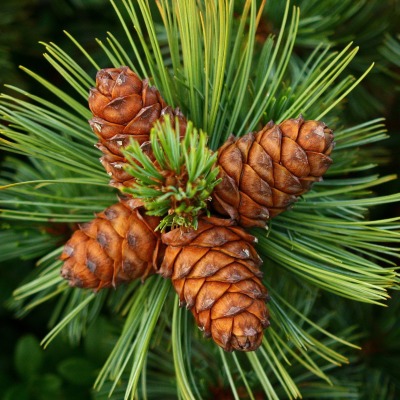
(215, 268)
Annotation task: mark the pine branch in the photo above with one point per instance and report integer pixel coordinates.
(178, 184)
(326, 244)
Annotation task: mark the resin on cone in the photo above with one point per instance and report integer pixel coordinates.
(215, 271)
(124, 107)
(264, 173)
(118, 246)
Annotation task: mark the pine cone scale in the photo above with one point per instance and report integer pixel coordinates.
(285, 181)
(103, 128)
(252, 184)
(261, 162)
(118, 81)
(244, 145)
(230, 304)
(143, 122)
(252, 287)
(208, 264)
(122, 109)
(203, 321)
(210, 292)
(221, 331)
(214, 237)
(294, 158)
(270, 139)
(319, 163)
(231, 160)
(235, 273)
(190, 290)
(248, 207)
(227, 190)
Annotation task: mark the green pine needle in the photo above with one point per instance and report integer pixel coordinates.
(204, 57)
(178, 184)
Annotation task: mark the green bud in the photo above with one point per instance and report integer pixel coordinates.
(178, 184)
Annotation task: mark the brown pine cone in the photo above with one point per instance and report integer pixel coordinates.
(263, 173)
(118, 246)
(215, 271)
(124, 107)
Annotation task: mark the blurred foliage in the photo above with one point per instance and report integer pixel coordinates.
(25, 23)
(369, 24)
(61, 372)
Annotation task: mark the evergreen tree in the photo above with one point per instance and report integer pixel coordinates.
(329, 262)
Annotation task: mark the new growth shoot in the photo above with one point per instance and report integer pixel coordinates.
(176, 176)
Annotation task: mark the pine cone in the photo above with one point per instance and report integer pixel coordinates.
(119, 245)
(124, 106)
(263, 173)
(215, 271)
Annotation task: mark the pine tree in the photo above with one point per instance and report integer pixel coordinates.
(326, 254)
